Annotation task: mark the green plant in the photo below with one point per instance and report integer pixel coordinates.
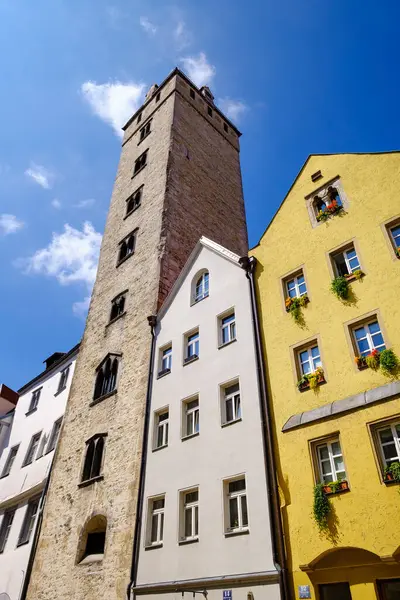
(358, 274)
(311, 380)
(340, 287)
(373, 360)
(388, 361)
(321, 507)
(394, 470)
(294, 306)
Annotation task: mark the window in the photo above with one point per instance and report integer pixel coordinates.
(392, 232)
(30, 455)
(134, 201)
(165, 360)
(333, 591)
(161, 430)
(146, 129)
(62, 384)
(10, 461)
(158, 97)
(192, 94)
(191, 417)
(106, 378)
(327, 202)
(156, 524)
(29, 521)
(189, 522)
(139, 118)
(127, 247)
(309, 359)
(226, 127)
(236, 505)
(389, 589)
(368, 337)
(34, 400)
(93, 539)
(227, 329)
(192, 346)
(330, 462)
(346, 262)
(209, 110)
(395, 233)
(201, 289)
(389, 443)
(54, 435)
(296, 286)
(5, 528)
(140, 163)
(118, 306)
(231, 409)
(93, 458)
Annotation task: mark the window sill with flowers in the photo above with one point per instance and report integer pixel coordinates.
(329, 211)
(312, 380)
(386, 360)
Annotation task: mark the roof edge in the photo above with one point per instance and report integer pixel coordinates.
(50, 370)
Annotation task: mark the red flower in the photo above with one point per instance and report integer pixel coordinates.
(374, 352)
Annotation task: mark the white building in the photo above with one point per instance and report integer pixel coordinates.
(205, 524)
(8, 401)
(25, 464)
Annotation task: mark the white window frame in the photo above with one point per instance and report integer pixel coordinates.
(193, 508)
(331, 459)
(343, 253)
(235, 399)
(160, 514)
(238, 497)
(368, 335)
(8, 465)
(33, 444)
(53, 439)
(163, 426)
(396, 440)
(166, 359)
(295, 280)
(310, 358)
(5, 527)
(64, 374)
(192, 414)
(229, 327)
(397, 246)
(191, 345)
(201, 289)
(31, 512)
(33, 404)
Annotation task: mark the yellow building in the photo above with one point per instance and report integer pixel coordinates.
(338, 225)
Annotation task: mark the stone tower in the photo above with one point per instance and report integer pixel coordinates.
(178, 179)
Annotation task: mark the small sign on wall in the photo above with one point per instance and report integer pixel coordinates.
(227, 595)
(304, 591)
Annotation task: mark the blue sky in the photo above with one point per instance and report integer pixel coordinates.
(296, 77)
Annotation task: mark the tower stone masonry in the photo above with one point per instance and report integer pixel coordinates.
(191, 188)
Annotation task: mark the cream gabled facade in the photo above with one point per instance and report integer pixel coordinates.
(25, 464)
(205, 523)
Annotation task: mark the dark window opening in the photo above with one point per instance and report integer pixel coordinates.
(144, 132)
(334, 591)
(62, 384)
(106, 379)
(192, 94)
(133, 202)
(140, 162)
(127, 247)
(315, 176)
(117, 307)
(95, 543)
(333, 194)
(93, 458)
(226, 127)
(209, 110)
(158, 97)
(139, 117)
(34, 400)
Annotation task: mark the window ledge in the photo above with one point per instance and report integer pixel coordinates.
(163, 373)
(229, 534)
(333, 492)
(189, 437)
(91, 558)
(60, 391)
(124, 259)
(227, 344)
(160, 448)
(199, 300)
(90, 481)
(188, 541)
(189, 361)
(306, 386)
(26, 464)
(24, 543)
(390, 482)
(231, 422)
(5, 475)
(139, 171)
(101, 398)
(132, 211)
(31, 411)
(145, 137)
(154, 546)
(352, 277)
(116, 318)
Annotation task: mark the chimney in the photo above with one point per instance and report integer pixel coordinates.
(53, 358)
(151, 91)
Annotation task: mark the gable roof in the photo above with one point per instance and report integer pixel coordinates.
(202, 243)
(301, 171)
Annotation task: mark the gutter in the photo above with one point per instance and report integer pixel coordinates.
(139, 509)
(278, 540)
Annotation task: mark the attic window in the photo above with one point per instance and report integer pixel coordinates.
(210, 112)
(315, 176)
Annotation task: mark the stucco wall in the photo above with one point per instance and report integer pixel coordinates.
(371, 184)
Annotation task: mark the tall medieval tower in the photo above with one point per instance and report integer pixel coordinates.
(178, 179)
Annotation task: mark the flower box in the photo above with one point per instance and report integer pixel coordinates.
(361, 363)
(331, 209)
(336, 487)
(302, 300)
(304, 383)
(388, 477)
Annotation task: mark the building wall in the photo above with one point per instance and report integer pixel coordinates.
(217, 453)
(362, 515)
(121, 416)
(26, 482)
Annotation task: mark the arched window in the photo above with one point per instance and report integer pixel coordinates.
(333, 194)
(117, 306)
(201, 286)
(127, 246)
(106, 378)
(93, 540)
(93, 457)
(319, 205)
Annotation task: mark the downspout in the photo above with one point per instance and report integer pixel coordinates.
(278, 542)
(35, 540)
(139, 509)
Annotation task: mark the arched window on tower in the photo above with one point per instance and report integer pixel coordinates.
(127, 246)
(92, 540)
(93, 457)
(200, 286)
(107, 375)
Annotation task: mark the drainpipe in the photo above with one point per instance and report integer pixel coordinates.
(36, 535)
(139, 509)
(278, 542)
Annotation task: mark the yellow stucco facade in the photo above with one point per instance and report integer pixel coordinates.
(362, 544)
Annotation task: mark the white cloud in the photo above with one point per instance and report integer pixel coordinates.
(71, 257)
(56, 203)
(85, 203)
(198, 69)
(42, 176)
(233, 109)
(148, 26)
(182, 36)
(9, 224)
(80, 309)
(114, 102)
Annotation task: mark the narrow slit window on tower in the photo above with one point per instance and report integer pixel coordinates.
(226, 127)
(118, 307)
(139, 117)
(192, 94)
(158, 97)
(92, 540)
(210, 111)
(127, 247)
(93, 458)
(145, 131)
(106, 378)
(134, 201)
(140, 163)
